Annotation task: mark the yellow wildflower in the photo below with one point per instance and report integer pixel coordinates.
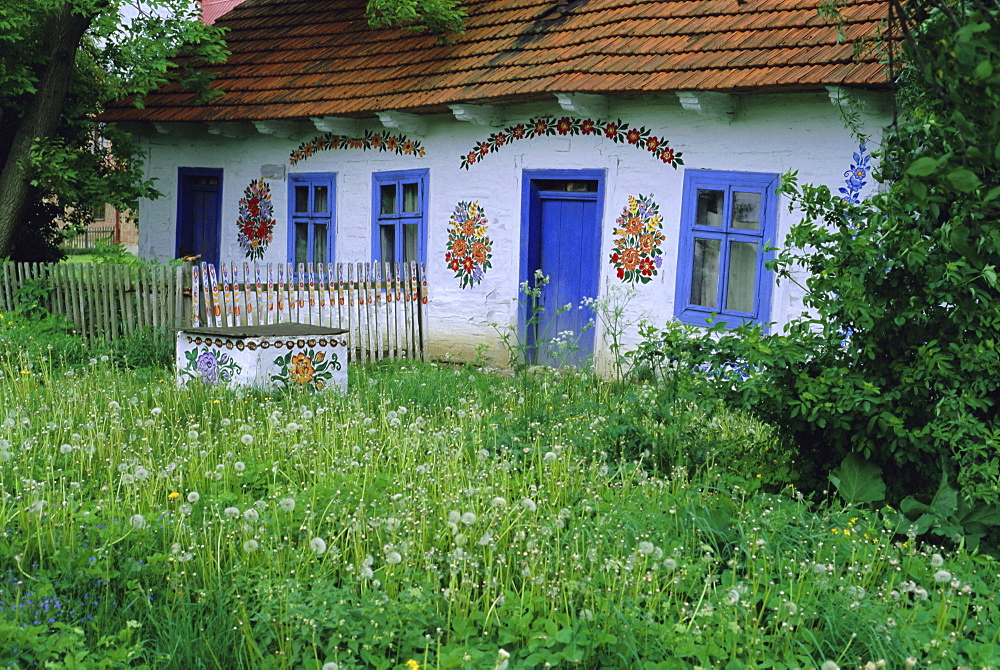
(174, 495)
(412, 665)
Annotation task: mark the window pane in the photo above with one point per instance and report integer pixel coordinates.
(387, 193)
(742, 278)
(301, 242)
(746, 211)
(301, 199)
(411, 200)
(387, 243)
(705, 272)
(410, 242)
(321, 196)
(319, 243)
(710, 208)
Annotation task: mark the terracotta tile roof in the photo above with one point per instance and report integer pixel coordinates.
(298, 58)
(211, 10)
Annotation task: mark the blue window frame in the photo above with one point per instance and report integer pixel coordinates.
(311, 207)
(399, 216)
(728, 221)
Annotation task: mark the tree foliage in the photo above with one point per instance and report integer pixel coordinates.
(61, 61)
(899, 357)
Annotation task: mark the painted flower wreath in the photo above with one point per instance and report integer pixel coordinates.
(469, 249)
(636, 254)
(256, 222)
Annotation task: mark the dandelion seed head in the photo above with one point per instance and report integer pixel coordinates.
(66, 449)
(646, 548)
(318, 546)
(250, 546)
(185, 508)
(239, 466)
(247, 439)
(138, 521)
(469, 518)
(251, 515)
(669, 564)
(829, 665)
(330, 666)
(193, 497)
(231, 512)
(937, 560)
(498, 502)
(287, 504)
(393, 558)
(550, 456)
(942, 576)
(528, 504)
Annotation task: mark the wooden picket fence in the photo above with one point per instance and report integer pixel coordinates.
(101, 300)
(382, 306)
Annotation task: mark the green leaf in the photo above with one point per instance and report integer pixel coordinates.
(984, 70)
(858, 480)
(964, 180)
(922, 167)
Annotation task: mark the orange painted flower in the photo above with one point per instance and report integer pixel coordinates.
(300, 369)
(630, 258)
(459, 247)
(634, 226)
(479, 252)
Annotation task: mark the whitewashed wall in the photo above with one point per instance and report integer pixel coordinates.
(772, 133)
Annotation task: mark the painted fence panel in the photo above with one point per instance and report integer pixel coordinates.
(381, 306)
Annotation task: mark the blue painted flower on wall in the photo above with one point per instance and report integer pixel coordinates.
(857, 175)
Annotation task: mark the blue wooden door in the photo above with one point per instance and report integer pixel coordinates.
(199, 214)
(566, 249)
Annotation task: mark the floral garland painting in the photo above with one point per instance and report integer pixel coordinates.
(256, 222)
(209, 367)
(637, 254)
(616, 131)
(469, 249)
(382, 141)
(856, 176)
(305, 369)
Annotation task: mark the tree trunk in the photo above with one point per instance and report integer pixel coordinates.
(64, 30)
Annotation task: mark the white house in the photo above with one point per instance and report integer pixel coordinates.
(606, 143)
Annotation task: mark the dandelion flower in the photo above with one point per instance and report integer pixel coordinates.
(528, 504)
(412, 665)
(138, 521)
(251, 546)
(936, 561)
(287, 504)
(173, 495)
(942, 576)
(318, 546)
(646, 548)
(193, 497)
(247, 439)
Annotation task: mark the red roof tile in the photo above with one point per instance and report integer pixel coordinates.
(298, 58)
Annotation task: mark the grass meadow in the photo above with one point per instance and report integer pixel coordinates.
(442, 516)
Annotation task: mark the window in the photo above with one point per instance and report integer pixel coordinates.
(311, 205)
(728, 220)
(399, 210)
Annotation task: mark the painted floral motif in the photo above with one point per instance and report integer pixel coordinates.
(382, 141)
(255, 222)
(638, 235)
(616, 131)
(856, 176)
(305, 368)
(469, 249)
(209, 367)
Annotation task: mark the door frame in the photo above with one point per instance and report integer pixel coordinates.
(531, 229)
(182, 173)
